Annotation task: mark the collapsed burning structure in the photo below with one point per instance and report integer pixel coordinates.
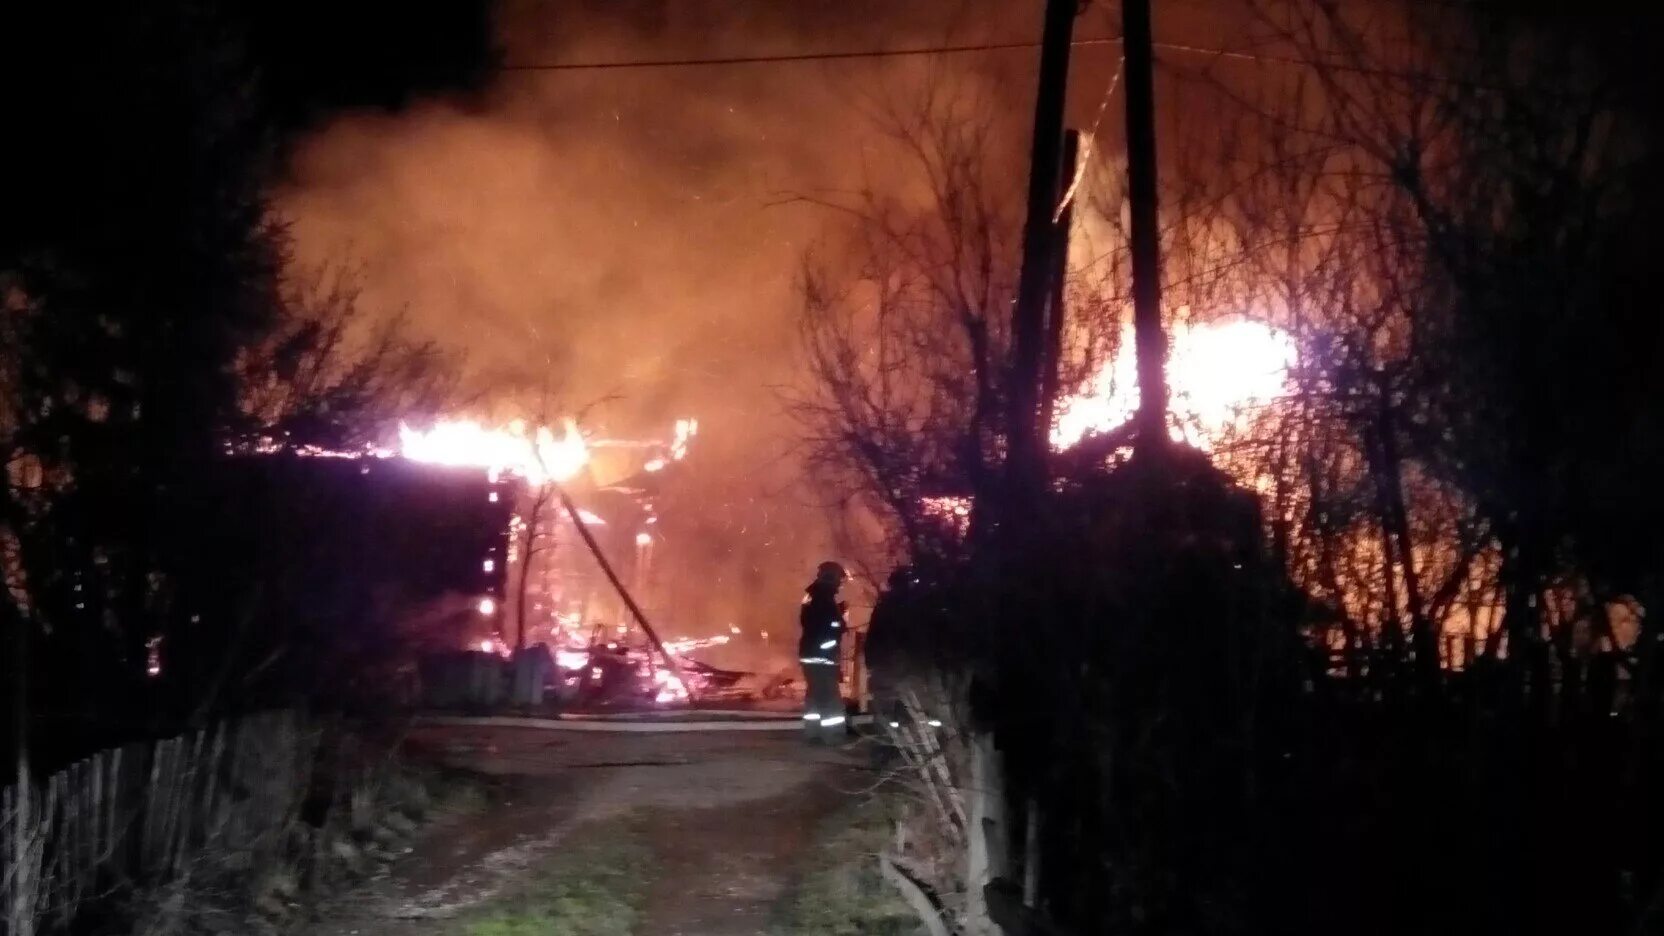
(575, 579)
(478, 543)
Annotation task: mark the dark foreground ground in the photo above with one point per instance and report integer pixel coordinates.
(693, 833)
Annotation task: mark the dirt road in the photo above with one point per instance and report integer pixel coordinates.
(720, 823)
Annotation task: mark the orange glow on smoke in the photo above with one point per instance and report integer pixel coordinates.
(538, 456)
(1216, 372)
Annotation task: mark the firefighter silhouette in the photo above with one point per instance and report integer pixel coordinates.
(823, 624)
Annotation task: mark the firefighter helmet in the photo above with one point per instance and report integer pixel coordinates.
(830, 572)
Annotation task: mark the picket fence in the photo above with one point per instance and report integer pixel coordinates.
(141, 816)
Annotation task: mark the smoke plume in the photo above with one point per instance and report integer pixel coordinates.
(627, 235)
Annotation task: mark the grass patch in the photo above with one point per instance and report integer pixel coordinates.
(595, 886)
(460, 795)
(841, 892)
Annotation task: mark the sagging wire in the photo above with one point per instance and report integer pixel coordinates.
(1087, 139)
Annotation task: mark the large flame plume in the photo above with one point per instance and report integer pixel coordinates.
(1217, 372)
(537, 455)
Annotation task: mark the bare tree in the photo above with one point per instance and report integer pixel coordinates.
(534, 535)
(1448, 239)
(331, 378)
(1479, 168)
(906, 324)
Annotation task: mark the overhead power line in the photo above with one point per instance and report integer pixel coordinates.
(797, 56)
(852, 54)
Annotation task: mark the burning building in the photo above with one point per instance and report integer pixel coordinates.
(486, 540)
(583, 546)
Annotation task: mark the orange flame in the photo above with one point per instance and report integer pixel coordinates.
(669, 687)
(1216, 372)
(686, 429)
(538, 456)
(682, 645)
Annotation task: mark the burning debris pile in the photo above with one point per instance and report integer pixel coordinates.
(615, 673)
(562, 581)
(543, 591)
(625, 673)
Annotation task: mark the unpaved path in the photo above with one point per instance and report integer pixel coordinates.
(728, 817)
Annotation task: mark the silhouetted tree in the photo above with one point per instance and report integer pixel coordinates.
(149, 330)
(1442, 205)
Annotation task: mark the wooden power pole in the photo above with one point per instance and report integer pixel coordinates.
(1149, 339)
(1026, 436)
(1050, 372)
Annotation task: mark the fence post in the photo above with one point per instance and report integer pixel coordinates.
(986, 831)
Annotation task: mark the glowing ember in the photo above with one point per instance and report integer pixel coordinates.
(572, 660)
(682, 645)
(951, 510)
(668, 688)
(949, 506)
(537, 456)
(1216, 372)
(686, 429)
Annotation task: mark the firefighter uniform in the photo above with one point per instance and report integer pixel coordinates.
(823, 625)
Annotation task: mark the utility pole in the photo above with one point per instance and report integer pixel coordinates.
(1028, 428)
(1050, 378)
(1026, 437)
(1149, 340)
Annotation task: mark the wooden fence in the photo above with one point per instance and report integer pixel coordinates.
(142, 816)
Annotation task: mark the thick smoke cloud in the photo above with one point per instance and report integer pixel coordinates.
(620, 234)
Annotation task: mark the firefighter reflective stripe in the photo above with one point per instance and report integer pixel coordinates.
(834, 720)
(811, 716)
(827, 645)
(817, 661)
